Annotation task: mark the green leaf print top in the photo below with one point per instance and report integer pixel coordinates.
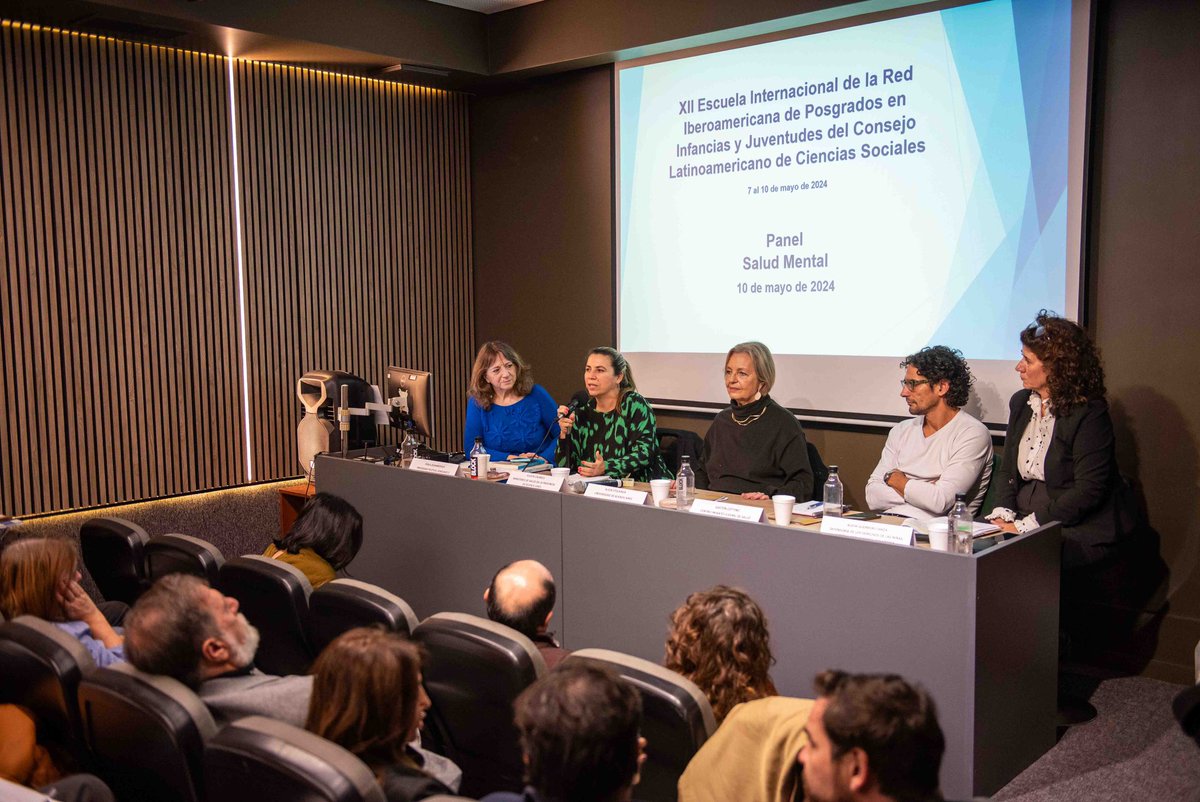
(626, 438)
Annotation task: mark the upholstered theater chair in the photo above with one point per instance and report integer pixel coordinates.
(475, 671)
(114, 553)
(257, 758)
(182, 554)
(344, 604)
(40, 668)
(676, 718)
(147, 734)
(274, 598)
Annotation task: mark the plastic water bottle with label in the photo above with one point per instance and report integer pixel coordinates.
(685, 485)
(832, 495)
(960, 526)
(476, 450)
(408, 449)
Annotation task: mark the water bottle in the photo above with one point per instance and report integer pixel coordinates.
(476, 450)
(685, 484)
(832, 495)
(959, 526)
(408, 449)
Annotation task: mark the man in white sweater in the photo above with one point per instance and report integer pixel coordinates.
(942, 451)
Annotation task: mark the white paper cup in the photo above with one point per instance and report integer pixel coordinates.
(783, 509)
(560, 473)
(939, 536)
(660, 489)
(484, 462)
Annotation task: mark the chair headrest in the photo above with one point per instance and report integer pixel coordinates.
(165, 688)
(297, 753)
(366, 592)
(475, 628)
(49, 642)
(276, 569)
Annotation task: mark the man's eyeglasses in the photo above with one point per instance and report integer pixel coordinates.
(912, 384)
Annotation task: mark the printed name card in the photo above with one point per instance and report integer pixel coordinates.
(721, 509)
(429, 466)
(883, 533)
(621, 494)
(538, 481)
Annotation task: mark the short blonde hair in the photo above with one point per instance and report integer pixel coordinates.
(760, 355)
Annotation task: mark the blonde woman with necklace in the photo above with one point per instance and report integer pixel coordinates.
(754, 447)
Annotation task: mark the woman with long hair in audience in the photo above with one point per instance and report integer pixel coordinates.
(719, 641)
(40, 577)
(513, 416)
(368, 698)
(326, 536)
(613, 433)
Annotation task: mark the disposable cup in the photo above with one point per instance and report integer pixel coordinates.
(783, 509)
(939, 536)
(660, 489)
(484, 462)
(560, 473)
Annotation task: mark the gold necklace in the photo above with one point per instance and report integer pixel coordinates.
(749, 420)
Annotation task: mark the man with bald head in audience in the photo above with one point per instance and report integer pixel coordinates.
(522, 596)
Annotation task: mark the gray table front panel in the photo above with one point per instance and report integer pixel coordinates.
(436, 541)
(831, 602)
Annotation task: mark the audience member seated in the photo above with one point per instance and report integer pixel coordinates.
(369, 699)
(613, 434)
(326, 536)
(942, 451)
(1060, 460)
(719, 641)
(752, 755)
(579, 735)
(183, 628)
(754, 447)
(40, 577)
(514, 416)
(521, 596)
(871, 737)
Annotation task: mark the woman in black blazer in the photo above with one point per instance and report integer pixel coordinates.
(1059, 458)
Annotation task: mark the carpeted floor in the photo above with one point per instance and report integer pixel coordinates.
(1133, 750)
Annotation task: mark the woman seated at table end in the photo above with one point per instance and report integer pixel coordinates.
(754, 447)
(614, 433)
(514, 416)
(1059, 457)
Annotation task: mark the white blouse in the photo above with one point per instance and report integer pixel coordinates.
(1031, 457)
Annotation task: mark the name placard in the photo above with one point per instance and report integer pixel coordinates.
(883, 533)
(429, 466)
(621, 494)
(538, 481)
(721, 509)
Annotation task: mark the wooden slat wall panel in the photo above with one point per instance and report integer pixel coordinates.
(118, 320)
(356, 216)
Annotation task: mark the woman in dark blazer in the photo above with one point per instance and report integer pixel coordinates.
(1059, 458)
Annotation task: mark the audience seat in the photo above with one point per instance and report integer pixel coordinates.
(42, 668)
(676, 718)
(475, 671)
(344, 604)
(147, 733)
(182, 554)
(258, 758)
(274, 598)
(114, 554)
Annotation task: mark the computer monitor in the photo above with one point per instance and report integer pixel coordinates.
(410, 396)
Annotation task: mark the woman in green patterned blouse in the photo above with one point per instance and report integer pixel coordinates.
(613, 434)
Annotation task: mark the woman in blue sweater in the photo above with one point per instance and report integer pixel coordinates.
(514, 416)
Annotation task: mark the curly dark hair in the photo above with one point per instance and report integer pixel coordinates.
(719, 640)
(937, 362)
(1073, 369)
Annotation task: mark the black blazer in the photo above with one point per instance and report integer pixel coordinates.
(1087, 494)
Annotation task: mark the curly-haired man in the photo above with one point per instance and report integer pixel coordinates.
(940, 452)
